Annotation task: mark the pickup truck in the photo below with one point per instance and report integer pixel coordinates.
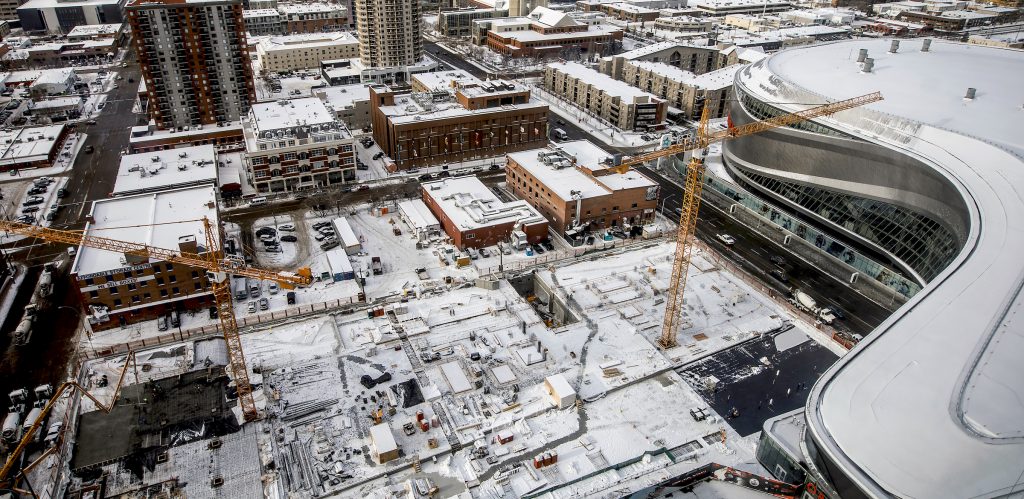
(376, 266)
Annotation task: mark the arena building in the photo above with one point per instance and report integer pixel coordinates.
(932, 177)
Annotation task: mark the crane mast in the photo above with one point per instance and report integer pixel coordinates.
(219, 269)
(693, 186)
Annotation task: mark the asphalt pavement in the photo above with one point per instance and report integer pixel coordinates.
(93, 174)
(753, 252)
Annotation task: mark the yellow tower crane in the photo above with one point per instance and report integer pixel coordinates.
(218, 266)
(694, 184)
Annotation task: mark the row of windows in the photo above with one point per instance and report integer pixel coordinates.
(921, 242)
(761, 111)
(175, 291)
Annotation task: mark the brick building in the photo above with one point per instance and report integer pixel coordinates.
(118, 289)
(297, 144)
(313, 17)
(31, 147)
(473, 217)
(545, 33)
(574, 186)
(470, 121)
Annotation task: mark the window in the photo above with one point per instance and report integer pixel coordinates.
(147, 296)
(289, 156)
(131, 286)
(634, 205)
(195, 274)
(94, 294)
(163, 293)
(117, 302)
(175, 290)
(156, 268)
(136, 299)
(159, 281)
(170, 267)
(198, 286)
(89, 281)
(113, 290)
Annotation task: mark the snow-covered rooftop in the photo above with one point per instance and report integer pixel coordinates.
(535, 36)
(49, 4)
(309, 8)
(289, 114)
(254, 13)
(28, 144)
(170, 168)
(307, 40)
(563, 178)
(610, 86)
(154, 219)
(442, 80)
(470, 205)
(671, 72)
(87, 30)
(935, 387)
(408, 108)
(717, 79)
(343, 96)
(721, 4)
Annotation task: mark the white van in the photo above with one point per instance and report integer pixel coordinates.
(260, 201)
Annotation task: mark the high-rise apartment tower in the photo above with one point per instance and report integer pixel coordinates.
(389, 33)
(194, 60)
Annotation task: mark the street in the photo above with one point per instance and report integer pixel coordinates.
(753, 252)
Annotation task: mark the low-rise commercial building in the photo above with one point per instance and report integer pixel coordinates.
(473, 217)
(349, 103)
(313, 17)
(260, 22)
(31, 147)
(119, 289)
(296, 144)
(696, 59)
(224, 137)
(165, 170)
(304, 51)
(57, 16)
(68, 52)
(459, 22)
(473, 120)
(545, 33)
(726, 7)
(685, 24)
(630, 12)
(442, 81)
(575, 186)
(618, 103)
(683, 90)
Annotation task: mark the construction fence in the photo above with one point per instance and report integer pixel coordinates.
(210, 330)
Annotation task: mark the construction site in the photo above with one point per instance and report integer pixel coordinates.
(595, 372)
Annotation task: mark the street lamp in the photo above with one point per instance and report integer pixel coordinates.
(664, 204)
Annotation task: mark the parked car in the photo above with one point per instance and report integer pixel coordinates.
(444, 174)
(26, 219)
(291, 297)
(36, 190)
(547, 245)
(363, 188)
(62, 193)
(175, 318)
(538, 249)
(266, 231)
(89, 149)
(289, 239)
(273, 288)
(50, 216)
(779, 276)
(329, 245)
(30, 209)
(286, 227)
(484, 253)
(473, 254)
(264, 303)
(378, 155)
(161, 323)
(252, 307)
(726, 239)
(426, 176)
(213, 312)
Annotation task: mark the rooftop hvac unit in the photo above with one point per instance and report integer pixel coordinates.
(182, 154)
(155, 159)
